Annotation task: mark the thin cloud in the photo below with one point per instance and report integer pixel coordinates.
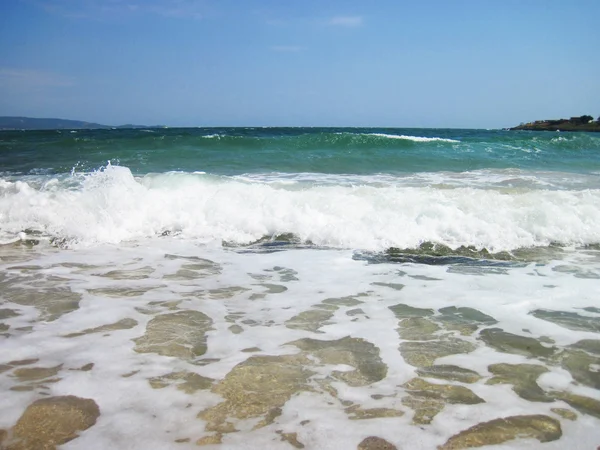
(182, 9)
(287, 48)
(30, 79)
(346, 21)
(94, 9)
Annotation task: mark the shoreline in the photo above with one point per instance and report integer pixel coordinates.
(583, 123)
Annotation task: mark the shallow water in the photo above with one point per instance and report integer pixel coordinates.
(299, 288)
(183, 344)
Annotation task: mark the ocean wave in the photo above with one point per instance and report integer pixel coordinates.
(324, 139)
(112, 206)
(483, 179)
(236, 151)
(412, 138)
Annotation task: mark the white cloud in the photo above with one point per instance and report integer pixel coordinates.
(180, 9)
(346, 21)
(287, 48)
(91, 9)
(29, 79)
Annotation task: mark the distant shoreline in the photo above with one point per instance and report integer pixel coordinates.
(15, 123)
(582, 123)
(30, 123)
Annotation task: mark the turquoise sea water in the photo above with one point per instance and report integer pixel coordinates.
(347, 188)
(234, 151)
(287, 287)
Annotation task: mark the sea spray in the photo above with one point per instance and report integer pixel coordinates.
(111, 205)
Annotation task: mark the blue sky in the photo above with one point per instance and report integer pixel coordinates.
(479, 64)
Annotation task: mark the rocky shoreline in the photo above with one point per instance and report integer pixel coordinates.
(582, 123)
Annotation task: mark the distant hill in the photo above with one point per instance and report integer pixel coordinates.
(583, 123)
(30, 123)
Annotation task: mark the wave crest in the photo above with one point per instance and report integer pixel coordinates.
(111, 206)
(412, 138)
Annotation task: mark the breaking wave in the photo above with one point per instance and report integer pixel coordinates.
(111, 206)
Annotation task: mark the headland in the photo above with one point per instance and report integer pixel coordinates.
(582, 123)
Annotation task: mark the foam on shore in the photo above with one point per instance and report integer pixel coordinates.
(152, 393)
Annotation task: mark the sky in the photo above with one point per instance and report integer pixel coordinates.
(385, 63)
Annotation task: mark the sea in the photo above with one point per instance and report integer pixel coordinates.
(316, 288)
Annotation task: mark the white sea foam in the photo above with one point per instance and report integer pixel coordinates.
(482, 179)
(137, 416)
(111, 206)
(412, 138)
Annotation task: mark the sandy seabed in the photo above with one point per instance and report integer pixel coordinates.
(169, 344)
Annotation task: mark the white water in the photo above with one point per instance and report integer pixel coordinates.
(135, 416)
(369, 213)
(412, 138)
